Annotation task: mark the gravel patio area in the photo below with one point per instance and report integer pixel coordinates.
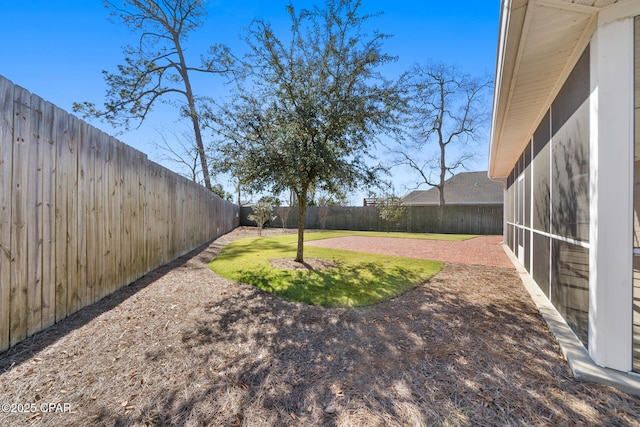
(183, 346)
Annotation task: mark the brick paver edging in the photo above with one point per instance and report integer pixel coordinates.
(483, 250)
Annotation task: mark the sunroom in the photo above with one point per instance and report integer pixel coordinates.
(563, 142)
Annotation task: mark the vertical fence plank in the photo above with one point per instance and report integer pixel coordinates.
(126, 216)
(116, 211)
(164, 246)
(141, 227)
(34, 215)
(172, 201)
(6, 171)
(179, 225)
(73, 260)
(108, 174)
(83, 149)
(157, 225)
(132, 220)
(167, 199)
(153, 226)
(19, 208)
(89, 159)
(100, 232)
(48, 217)
(150, 172)
(124, 211)
(114, 214)
(62, 144)
(164, 215)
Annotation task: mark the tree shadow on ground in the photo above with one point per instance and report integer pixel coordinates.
(467, 348)
(39, 341)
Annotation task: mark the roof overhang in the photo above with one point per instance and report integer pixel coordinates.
(539, 43)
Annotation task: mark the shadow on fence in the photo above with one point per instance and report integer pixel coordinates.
(455, 219)
(25, 349)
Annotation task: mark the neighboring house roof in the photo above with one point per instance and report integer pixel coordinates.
(466, 188)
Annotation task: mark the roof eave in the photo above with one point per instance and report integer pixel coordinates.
(524, 35)
(504, 58)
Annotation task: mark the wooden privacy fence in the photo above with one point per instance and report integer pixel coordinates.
(458, 219)
(82, 214)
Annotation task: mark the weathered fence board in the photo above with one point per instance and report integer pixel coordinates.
(34, 216)
(6, 171)
(125, 213)
(458, 219)
(81, 229)
(48, 218)
(60, 121)
(88, 161)
(71, 196)
(82, 214)
(19, 206)
(102, 198)
(140, 231)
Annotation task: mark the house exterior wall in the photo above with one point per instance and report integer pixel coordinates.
(569, 200)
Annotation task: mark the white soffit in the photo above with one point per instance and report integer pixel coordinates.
(540, 41)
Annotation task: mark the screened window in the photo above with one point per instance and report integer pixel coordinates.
(541, 181)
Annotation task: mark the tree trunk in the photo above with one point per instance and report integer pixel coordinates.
(442, 143)
(201, 153)
(193, 113)
(302, 209)
(196, 130)
(443, 172)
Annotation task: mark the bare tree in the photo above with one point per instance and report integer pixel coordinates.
(181, 152)
(157, 68)
(283, 213)
(184, 152)
(262, 212)
(447, 110)
(324, 204)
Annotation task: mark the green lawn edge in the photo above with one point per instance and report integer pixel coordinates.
(359, 278)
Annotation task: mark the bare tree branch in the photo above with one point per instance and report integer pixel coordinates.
(446, 109)
(182, 152)
(157, 68)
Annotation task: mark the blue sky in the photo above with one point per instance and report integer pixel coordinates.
(58, 49)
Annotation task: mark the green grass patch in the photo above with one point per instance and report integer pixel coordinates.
(358, 279)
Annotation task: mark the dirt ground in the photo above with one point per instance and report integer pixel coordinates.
(182, 346)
